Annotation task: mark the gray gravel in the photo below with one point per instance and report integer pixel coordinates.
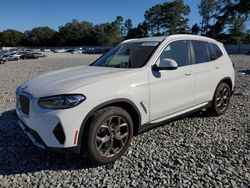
(196, 151)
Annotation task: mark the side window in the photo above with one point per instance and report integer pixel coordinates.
(217, 50)
(178, 51)
(211, 53)
(202, 53)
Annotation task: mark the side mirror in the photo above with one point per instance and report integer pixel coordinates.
(165, 64)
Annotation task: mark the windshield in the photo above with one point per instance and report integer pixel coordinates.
(127, 55)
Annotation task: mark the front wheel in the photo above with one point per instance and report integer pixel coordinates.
(109, 135)
(221, 99)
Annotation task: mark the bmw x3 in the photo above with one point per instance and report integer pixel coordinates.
(136, 85)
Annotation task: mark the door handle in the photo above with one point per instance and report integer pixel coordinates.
(188, 73)
(217, 67)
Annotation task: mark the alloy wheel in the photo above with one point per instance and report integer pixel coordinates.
(112, 136)
(222, 99)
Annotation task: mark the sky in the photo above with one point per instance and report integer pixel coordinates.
(24, 15)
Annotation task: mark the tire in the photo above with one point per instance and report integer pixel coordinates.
(221, 99)
(109, 135)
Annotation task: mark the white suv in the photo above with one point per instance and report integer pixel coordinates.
(136, 85)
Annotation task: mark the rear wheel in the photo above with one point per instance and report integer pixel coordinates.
(109, 135)
(221, 99)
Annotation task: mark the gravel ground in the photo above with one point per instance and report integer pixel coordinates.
(196, 151)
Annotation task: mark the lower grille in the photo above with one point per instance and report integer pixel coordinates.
(24, 104)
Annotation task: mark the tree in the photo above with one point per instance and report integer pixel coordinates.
(138, 32)
(86, 33)
(71, 33)
(237, 26)
(107, 34)
(143, 29)
(119, 22)
(206, 10)
(176, 14)
(153, 17)
(228, 14)
(39, 36)
(11, 38)
(1, 39)
(239, 17)
(195, 29)
(169, 17)
(128, 25)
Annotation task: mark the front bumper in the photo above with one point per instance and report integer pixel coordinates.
(52, 129)
(37, 140)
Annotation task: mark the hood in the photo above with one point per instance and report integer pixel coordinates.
(63, 81)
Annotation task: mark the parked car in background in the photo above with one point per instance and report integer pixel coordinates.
(45, 50)
(92, 50)
(16, 55)
(2, 60)
(77, 51)
(96, 50)
(58, 50)
(38, 54)
(138, 84)
(70, 50)
(28, 55)
(10, 57)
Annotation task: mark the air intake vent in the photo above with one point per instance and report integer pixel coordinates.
(24, 104)
(59, 134)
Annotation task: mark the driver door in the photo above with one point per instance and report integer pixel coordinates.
(172, 90)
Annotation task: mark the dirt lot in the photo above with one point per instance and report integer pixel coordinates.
(196, 151)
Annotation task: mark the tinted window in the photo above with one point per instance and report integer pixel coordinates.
(217, 50)
(202, 51)
(211, 52)
(177, 51)
(127, 55)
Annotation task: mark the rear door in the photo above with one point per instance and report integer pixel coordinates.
(207, 70)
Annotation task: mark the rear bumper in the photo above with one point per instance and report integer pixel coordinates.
(37, 140)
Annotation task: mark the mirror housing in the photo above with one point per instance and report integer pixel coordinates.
(165, 64)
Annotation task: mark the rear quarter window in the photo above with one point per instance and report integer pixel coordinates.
(217, 51)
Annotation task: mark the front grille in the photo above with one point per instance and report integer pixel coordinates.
(24, 104)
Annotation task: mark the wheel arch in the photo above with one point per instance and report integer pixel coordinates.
(123, 103)
(226, 80)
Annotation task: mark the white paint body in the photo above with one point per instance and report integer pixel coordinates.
(171, 93)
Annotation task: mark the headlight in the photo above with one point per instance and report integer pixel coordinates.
(61, 101)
